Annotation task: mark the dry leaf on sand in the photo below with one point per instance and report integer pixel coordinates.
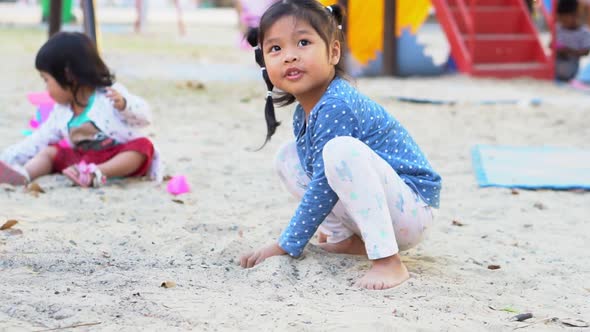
(8, 224)
(35, 189)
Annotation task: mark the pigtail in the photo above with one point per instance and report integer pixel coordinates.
(269, 109)
(338, 13)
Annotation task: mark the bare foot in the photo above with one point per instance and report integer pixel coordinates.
(322, 238)
(385, 273)
(352, 246)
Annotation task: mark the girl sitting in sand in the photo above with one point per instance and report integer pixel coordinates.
(95, 116)
(361, 178)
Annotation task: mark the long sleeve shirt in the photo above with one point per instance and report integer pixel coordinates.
(344, 111)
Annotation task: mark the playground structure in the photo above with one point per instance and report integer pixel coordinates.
(482, 46)
(376, 48)
(57, 8)
(489, 38)
(381, 36)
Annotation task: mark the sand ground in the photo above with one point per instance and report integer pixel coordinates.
(99, 256)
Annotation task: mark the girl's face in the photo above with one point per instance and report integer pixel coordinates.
(59, 94)
(297, 59)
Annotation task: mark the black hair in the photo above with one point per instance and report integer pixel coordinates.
(326, 21)
(567, 7)
(72, 59)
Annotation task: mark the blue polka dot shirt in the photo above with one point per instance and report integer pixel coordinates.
(344, 111)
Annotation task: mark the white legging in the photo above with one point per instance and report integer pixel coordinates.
(374, 202)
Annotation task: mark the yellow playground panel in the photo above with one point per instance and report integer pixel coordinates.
(365, 24)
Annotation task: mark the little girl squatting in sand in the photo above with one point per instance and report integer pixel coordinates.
(96, 116)
(361, 178)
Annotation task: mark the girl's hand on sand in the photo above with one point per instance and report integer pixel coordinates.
(118, 100)
(257, 256)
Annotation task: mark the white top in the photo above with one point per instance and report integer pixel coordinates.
(577, 39)
(122, 126)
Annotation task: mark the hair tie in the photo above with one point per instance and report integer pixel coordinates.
(339, 27)
(330, 9)
(269, 110)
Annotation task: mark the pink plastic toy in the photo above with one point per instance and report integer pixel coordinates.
(34, 124)
(44, 105)
(178, 185)
(40, 98)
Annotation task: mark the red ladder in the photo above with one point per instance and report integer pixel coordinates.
(493, 38)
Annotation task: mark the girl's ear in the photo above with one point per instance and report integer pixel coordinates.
(335, 52)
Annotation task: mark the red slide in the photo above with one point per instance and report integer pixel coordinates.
(494, 38)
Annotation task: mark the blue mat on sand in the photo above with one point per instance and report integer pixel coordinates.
(531, 167)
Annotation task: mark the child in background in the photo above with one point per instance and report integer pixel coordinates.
(572, 40)
(141, 9)
(361, 178)
(97, 117)
(585, 11)
(249, 13)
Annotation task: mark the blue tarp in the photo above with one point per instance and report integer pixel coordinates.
(531, 167)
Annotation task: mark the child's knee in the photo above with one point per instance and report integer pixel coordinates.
(340, 154)
(144, 142)
(341, 149)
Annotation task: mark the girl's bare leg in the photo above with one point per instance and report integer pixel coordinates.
(123, 164)
(139, 10)
(42, 163)
(181, 27)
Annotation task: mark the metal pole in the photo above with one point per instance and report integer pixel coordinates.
(389, 39)
(89, 19)
(55, 9)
